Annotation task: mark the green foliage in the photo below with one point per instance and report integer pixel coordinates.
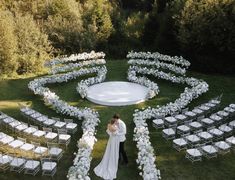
(135, 25)
(64, 25)
(23, 46)
(207, 25)
(97, 21)
(8, 43)
(177, 27)
(33, 46)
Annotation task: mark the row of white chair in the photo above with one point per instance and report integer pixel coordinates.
(29, 166)
(215, 133)
(53, 122)
(202, 137)
(32, 131)
(210, 151)
(201, 122)
(20, 146)
(186, 116)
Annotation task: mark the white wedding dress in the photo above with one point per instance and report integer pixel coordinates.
(107, 168)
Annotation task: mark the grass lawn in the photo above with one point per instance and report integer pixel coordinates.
(171, 163)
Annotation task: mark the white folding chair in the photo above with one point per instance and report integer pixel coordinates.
(50, 136)
(205, 136)
(158, 123)
(192, 140)
(183, 129)
(226, 129)
(231, 141)
(193, 155)
(58, 124)
(48, 167)
(17, 164)
(5, 161)
(168, 133)
(70, 126)
(180, 144)
(54, 151)
(31, 167)
(223, 147)
(64, 138)
(39, 150)
(209, 151)
(170, 121)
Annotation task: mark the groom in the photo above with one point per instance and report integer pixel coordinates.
(121, 133)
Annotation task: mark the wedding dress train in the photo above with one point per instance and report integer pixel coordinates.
(107, 168)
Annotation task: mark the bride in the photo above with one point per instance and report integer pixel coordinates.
(107, 168)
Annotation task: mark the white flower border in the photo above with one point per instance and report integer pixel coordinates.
(158, 64)
(146, 158)
(81, 163)
(152, 86)
(76, 57)
(157, 56)
(82, 87)
(72, 66)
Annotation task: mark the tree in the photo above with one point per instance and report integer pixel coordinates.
(97, 20)
(33, 45)
(8, 43)
(64, 25)
(207, 25)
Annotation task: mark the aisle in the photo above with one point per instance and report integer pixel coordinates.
(129, 172)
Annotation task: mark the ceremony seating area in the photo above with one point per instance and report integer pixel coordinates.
(205, 131)
(34, 142)
(53, 122)
(22, 151)
(27, 166)
(34, 133)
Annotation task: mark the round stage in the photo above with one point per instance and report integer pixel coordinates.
(117, 93)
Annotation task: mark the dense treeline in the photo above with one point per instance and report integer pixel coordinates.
(34, 31)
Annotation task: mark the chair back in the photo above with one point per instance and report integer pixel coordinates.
(51, 145)
(21, 139)
(36, 127)
(62, 131)
(185, 110)
(47, 129)
(36, 144)
(55, 118)
(68, 120)
(199, 118)
(45, 159)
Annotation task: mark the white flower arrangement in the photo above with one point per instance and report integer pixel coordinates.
(82, 87)
(76, 57)
(158, 64)
(153, 87)
(146, 157)
(82, 160)
(72, 66)
(157, 56)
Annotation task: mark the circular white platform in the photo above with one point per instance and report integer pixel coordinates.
(117, 93)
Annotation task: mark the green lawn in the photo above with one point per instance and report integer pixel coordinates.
(171, 163)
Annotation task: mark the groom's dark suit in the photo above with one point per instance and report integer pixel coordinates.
(121, 133)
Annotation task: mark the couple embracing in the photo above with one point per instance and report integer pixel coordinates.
(107, 168)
